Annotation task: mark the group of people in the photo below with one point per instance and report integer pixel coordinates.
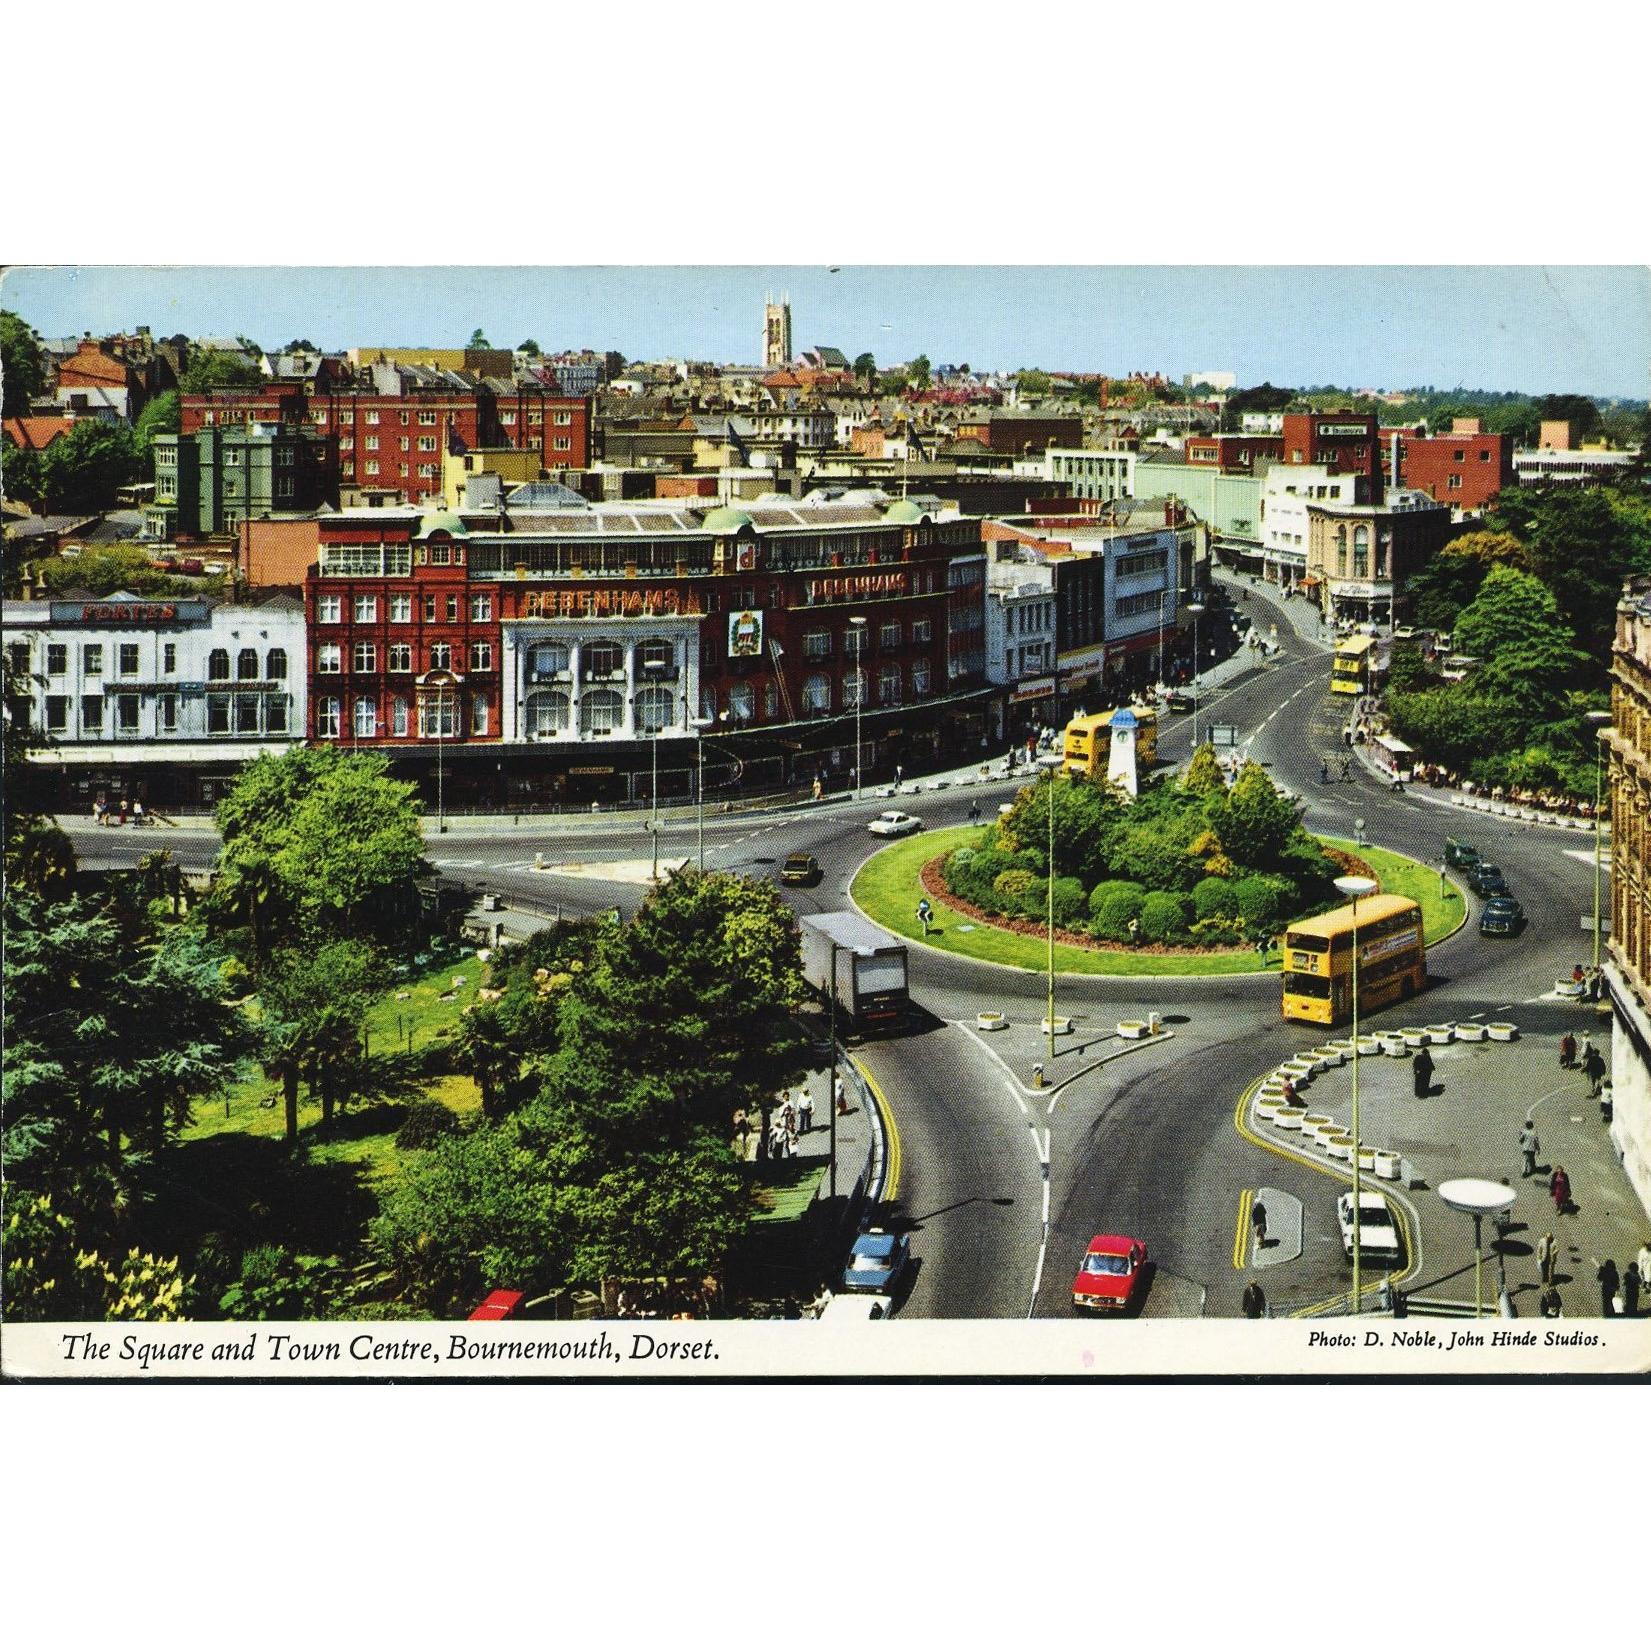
(789, 1122)
(1587, 1059)
(104, 814)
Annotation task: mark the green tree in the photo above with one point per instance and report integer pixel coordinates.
(218, 370)
(865, 366)
(82, 470)
(22, 370)
(20, 479)
(919, 372)
(1204, 776)
(162, 417)
(39, 859)
(1254, 821)
(1260, 398)
(1031, 382)
(53, 1274)
(315, 1004)
(529, 346)
(478, 340)
(1514, 626)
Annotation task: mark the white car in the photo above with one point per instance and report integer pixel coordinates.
(1378, 1236)
(892, 823)
(850, 1309)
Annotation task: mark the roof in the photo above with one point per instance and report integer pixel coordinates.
(1372, 908)
(906, 510)
(1111, 1244)
(441, 521)
(726, 519)
(33, 434)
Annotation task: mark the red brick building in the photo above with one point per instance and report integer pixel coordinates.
(1348, 443)
(1009, 431)
(1465, 468)
(1233, 453)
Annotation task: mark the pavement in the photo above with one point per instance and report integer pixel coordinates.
(1481, 1095)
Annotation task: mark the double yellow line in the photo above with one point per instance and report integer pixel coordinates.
(1241, 1238)
(891, 1135)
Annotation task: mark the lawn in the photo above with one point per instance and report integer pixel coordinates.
(887, 889)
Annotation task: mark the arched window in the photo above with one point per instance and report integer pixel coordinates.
(217, 665)
(854, 690)
(366, 718)
(656, 657)
(601, 712)
(742, 702)
(919, 678)
(817, 695)
(888, 685)
(246, 665)
(602, 661)
(654, 710)
(275, 665)
(398, 715)
(549, 658)
(326, 716)
(1361, 551)
(548, 713)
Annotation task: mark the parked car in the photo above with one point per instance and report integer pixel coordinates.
(801, 869)
(1486, 880)
(1460, 854)
(1378, 1236)
(877, 1261)
(1502, 915)
(1110, 1274)
(1179, 701)
(892, 823)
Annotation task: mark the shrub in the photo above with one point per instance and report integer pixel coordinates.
(1214, 897)
(1070, 902)
(1010, 888)
(426, 1123)
(1112, 907)
(1217, 931)
(1262, 900)
(1163, 916)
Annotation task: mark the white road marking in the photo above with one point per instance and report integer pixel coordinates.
(1046, 1203)
(1048, 1110)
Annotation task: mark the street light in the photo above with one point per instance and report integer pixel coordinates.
(1195, 608)
(1353, 888)
(857, 629)
(1599, 721)
(1050, 764)
(700, 725)
(1477, 1198)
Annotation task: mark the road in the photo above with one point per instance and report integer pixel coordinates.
(1003, 1187)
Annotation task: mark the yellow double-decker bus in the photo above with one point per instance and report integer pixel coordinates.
(1353, 666)
(1318, 960)
(1087, 743)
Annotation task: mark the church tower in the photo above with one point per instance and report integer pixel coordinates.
(776, 332)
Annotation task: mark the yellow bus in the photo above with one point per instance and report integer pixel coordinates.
(1318, 960)
(1088, 742)
(1350, 670)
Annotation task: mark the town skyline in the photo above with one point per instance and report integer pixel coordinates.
(1535, 329)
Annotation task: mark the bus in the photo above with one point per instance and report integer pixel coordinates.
(1318, 960)
(1353, 670)
(1088, 742)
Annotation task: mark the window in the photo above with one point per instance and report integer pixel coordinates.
(548, 713)
(854, 689)
(563, 419)
(478, 714)
(404, 447)
(372, 415)
(401, 608)
(275, 665)
(427, 444)
(452, 610)
(549, 658)
(217, 713)
(920, 629)
(601, 712)
(817, 695)
(507, 418)
(398, 716)
(654, 707)
(1361, 551)
(169, 659)
(57, 658)
(602, 661)
(441, 656)
(246, 713)
(817, 645)
(275, 714)
(561, 444)
(91, 659)
(481, 656)
(742, 702)
(372, 467)
(217, 665)
(366, 658)
(919, 677)
(329, 610)
(283, 487)
(441, 555)
(426, 417)
(232, 458)
(888, 685)
(427, 471)
(366, 610)
(57, 713)
(168, 704)
(401, 656)
(429, 610)
(326, 717)
(1455, 483)
(404, 418)
(437, 716)
(372, 444)
(481, 607)
(126, 655)
(366, 718)
(888, 636)
(329, 659)
(246, 665)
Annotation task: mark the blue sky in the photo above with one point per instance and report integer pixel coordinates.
(1534, 328)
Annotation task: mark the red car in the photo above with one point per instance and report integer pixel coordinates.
(1111, 1273)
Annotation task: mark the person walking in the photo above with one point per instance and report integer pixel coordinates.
(1421, 1073)
(974, 814)
(788, 1117)
(1631, 1290)
(1567, 1051)
(1643, 1261)
(1593, 1069)
(1606, 1273)
(1559, 1189)
(1258, 1220)
(1255, 1302)
(840, 1097)
(805, 1110)
(1530, 1146)
(1551, 1305)
(1546, 1250)
(1324, 773)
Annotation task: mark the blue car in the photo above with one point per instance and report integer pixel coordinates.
(877, 1261)
(1503, 915)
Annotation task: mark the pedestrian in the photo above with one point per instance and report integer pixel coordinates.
(1324, 773)
(123, 811)
(788, 1117)
(819, 789)
(1421, 1073)
(1631, 1290)
(1347, 769)
(1606, 1273)
(98, 811)
(777, 1139)
(1530, 1146)
(1559, 1189)
(1567, 1050)
(1545, 1253)
(137, 812)
(1643, 1261)
(840, 1096)
(1255, 1302)
(1258, 1220)
(1551, 1306)
(1593, 1068)
(1289, 1092)
(974, 814)
(1576, 974)
(805, 1110)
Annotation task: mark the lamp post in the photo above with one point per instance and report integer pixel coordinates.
(1353, 888)
(1195, 608)
(1477, 1198)
(1050, 765)
(857, 629)
(1598, 720)
(700, 725)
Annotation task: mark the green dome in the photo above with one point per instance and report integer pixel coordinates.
(442, 521)
(726, 519)
(905, 510)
